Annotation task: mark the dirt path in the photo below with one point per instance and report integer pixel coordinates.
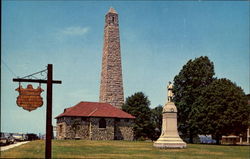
(3, 148)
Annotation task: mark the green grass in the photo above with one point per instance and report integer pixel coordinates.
(125, 149)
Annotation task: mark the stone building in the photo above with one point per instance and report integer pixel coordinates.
(94, 121)
(111, 88)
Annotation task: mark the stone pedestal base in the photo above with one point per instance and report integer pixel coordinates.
(169, 134)
(170, 142)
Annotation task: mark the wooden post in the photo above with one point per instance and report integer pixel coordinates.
(49, 113)
(49, 82)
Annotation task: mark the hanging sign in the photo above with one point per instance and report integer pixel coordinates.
(29, 98)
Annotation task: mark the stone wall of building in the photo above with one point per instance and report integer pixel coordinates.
(102, 133)
(73, 128)
(89, 129)
(124, 129)
(61, 130)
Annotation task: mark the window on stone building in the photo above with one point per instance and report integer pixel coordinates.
(117, 119)
(102, 123)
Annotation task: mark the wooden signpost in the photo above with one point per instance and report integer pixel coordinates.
(27, 100)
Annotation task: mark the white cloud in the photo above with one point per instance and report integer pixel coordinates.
(75, 30)
(71, 31)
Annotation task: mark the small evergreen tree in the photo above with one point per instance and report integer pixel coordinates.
(138, 106)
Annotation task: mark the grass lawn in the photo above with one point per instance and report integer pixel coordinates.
(124, 149)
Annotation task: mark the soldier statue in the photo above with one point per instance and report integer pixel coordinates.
(170, 92)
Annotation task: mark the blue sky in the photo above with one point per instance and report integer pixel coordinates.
(157, 39)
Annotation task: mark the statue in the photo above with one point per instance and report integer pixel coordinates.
(170, 92)
(169, 133)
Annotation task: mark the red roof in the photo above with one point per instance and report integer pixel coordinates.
(95, 109)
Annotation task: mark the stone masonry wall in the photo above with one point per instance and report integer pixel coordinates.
(124, 129)
(111, 88)
(61, 130)
(102, 133)
(73, 127)
(88, 129)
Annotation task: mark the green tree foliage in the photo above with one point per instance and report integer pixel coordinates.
(248, 103)
(188, 84)
(156, 119)
(223, 109)
(138, 106)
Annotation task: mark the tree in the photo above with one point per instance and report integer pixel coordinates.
(223, 109)
(156, 119)
(188, 84)
(248, 103)
(138, 106)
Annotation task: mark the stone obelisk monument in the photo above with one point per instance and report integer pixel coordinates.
(169, 134)
(111, 89)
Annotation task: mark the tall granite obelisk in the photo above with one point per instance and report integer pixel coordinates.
(111, 89)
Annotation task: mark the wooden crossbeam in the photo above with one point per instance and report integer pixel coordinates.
(35, 80)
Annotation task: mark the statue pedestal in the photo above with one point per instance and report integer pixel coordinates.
(169, 135)
(170, 142)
